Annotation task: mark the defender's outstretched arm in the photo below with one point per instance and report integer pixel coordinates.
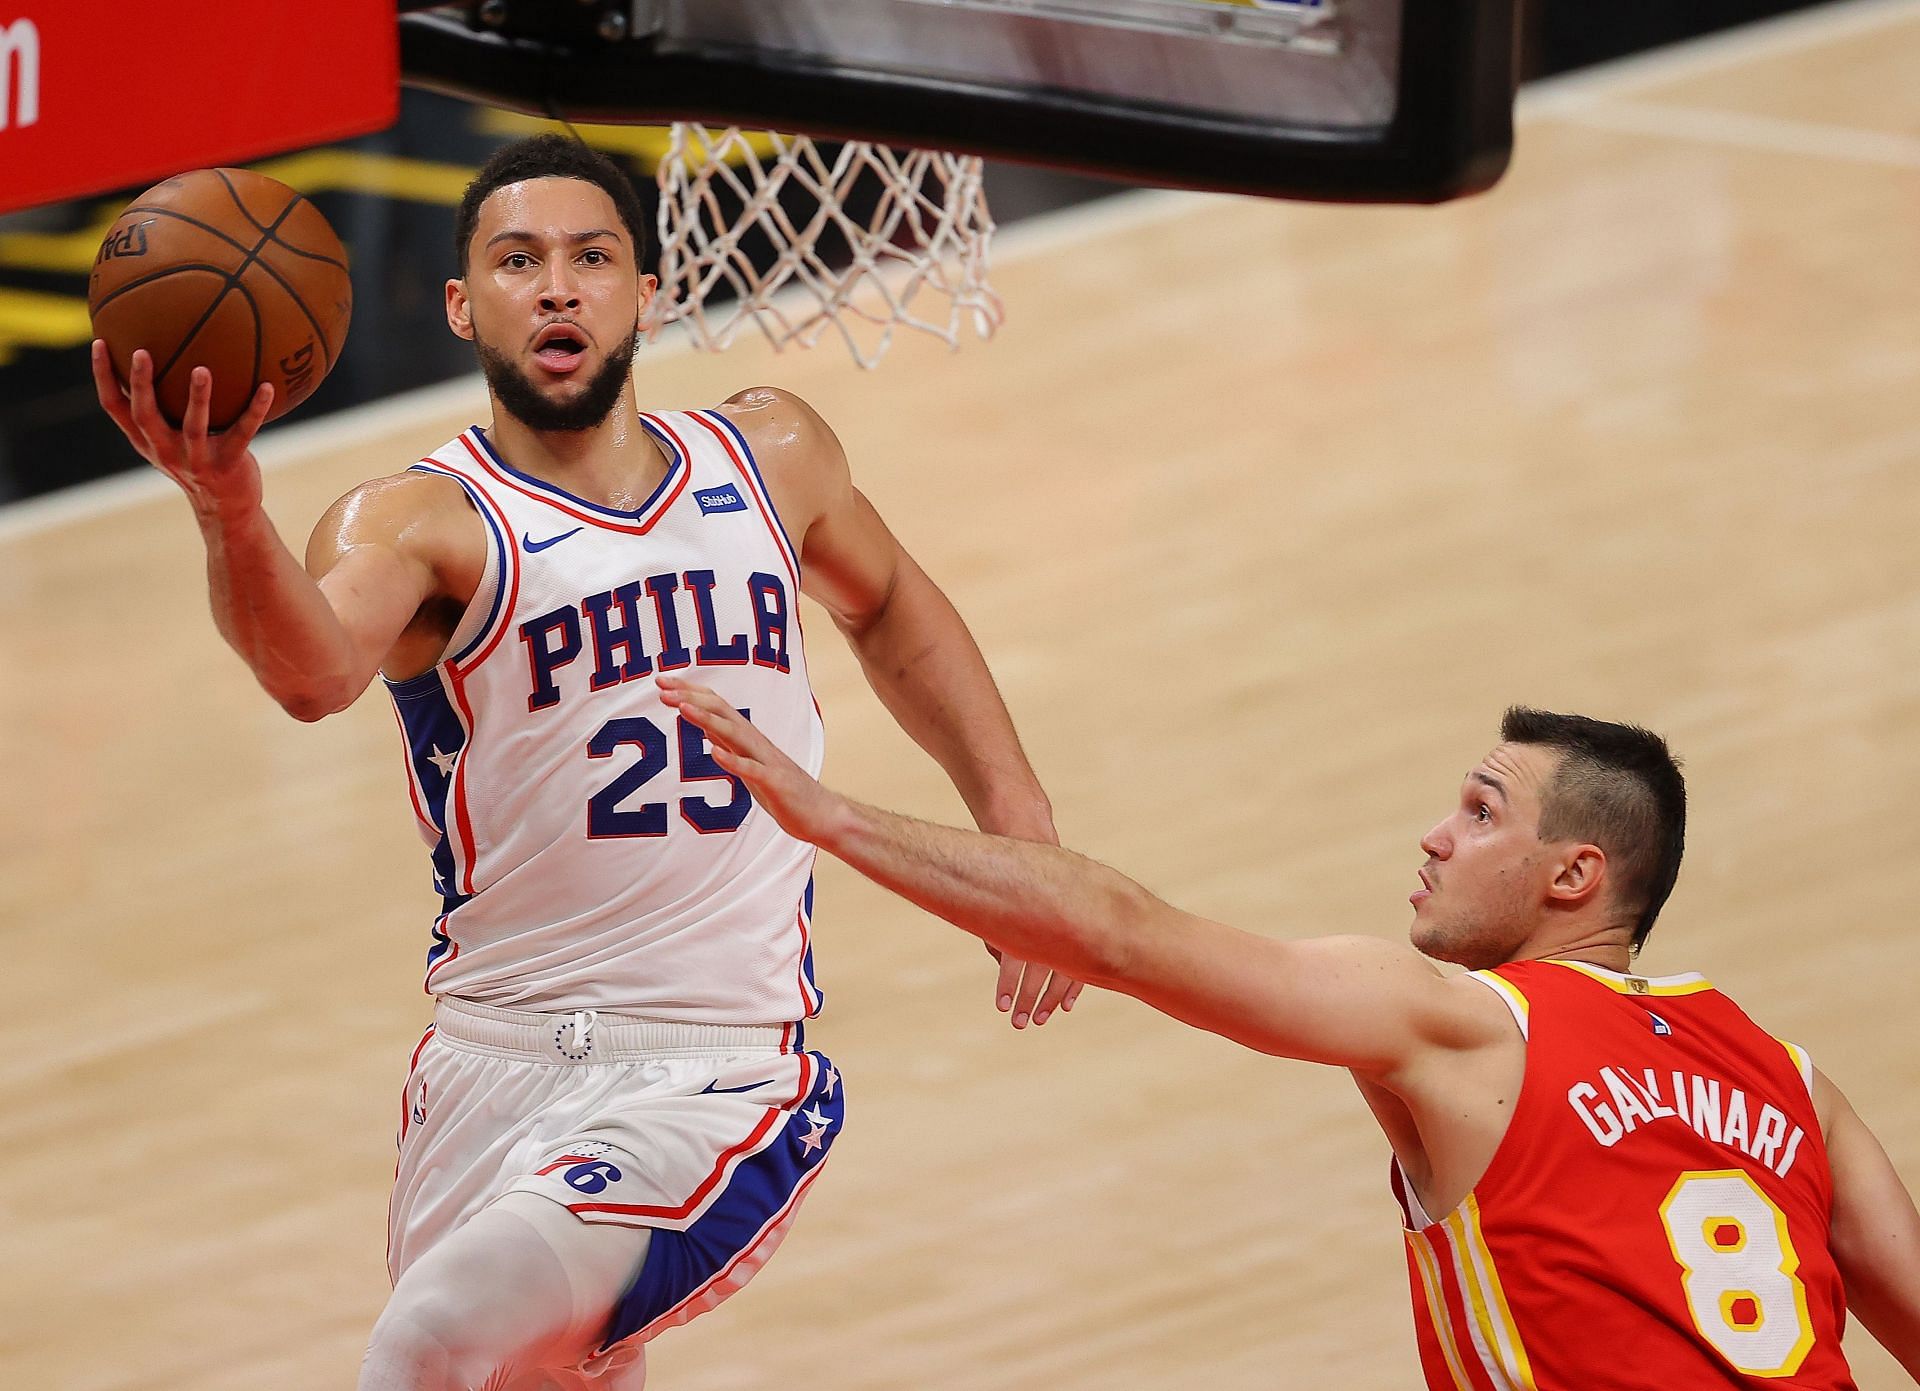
(1355, 1002)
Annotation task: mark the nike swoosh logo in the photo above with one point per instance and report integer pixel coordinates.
(750, 1087)
(526, 539)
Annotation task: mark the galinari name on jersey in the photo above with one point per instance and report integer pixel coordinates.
(1720, 1114)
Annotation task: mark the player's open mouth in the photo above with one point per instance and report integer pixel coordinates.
(1423, 893)
(559, 349)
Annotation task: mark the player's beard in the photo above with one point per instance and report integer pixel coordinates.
(522, 400)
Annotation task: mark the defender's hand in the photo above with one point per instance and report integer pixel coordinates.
(804, 808)
(1031, 992)
(217, 471)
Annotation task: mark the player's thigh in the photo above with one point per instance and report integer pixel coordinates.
(522, 1285)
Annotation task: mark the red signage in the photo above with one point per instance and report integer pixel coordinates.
(108, 93)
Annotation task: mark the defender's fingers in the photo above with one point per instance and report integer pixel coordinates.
(1009, 979)
(1032, 982)
(1051, 997)
(1072, 995)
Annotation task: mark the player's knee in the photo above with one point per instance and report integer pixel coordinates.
(431, 1340)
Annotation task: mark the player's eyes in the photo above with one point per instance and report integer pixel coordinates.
(1483, 812)
(518, 260)
(595, 257)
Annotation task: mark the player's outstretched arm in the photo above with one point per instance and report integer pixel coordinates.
(1354, 1002)
(1875, 1234)
(914, 647)
(307, 645)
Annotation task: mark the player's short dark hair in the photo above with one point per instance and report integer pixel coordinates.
(1620, 788)
(549, 156)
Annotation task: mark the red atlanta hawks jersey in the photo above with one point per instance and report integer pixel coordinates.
(1657, 1213)
(589, 851)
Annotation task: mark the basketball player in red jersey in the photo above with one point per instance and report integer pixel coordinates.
(614, 1116)
(1607, 1180)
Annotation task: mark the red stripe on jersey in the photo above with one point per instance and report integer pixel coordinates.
(413, 779)
(761, 502)
(638, 526)
(706, 1185)
(775, 1226)
(453, 950)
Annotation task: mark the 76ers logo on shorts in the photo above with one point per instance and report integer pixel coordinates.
(587, 1169)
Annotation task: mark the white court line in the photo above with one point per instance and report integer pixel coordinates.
(1568, 96)
(1744, 130)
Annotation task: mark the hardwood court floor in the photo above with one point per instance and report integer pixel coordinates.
(1262, 514)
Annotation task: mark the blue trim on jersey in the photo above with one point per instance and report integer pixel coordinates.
(679, 1264)
(806, 959)
(680, 466)
(746, 452)
(501, 545)
(431, 726)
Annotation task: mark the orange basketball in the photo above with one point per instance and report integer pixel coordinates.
(228, 270)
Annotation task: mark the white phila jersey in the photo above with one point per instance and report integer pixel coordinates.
(589, 851)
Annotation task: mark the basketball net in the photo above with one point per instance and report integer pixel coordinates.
(919, 259)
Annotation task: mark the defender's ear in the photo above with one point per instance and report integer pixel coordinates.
(1580, 877)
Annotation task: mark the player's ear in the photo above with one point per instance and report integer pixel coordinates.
(1582, 870)
(459, 313)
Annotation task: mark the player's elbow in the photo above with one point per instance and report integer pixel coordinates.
(311, 702)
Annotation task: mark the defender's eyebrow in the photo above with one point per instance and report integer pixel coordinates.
(1489, 780)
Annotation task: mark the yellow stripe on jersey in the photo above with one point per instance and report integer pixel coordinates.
(1690, 984)
(1802, 1061)
(1509, 992)
(1428, 1265)
(1493, 1319)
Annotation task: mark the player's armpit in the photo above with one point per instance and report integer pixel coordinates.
(1875, 1233)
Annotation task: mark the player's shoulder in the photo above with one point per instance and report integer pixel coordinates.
(782, 429)
(409, 509)
(405, 497)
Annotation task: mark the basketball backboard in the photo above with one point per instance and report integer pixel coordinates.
(1365, 100)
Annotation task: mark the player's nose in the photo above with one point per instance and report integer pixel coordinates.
(1436, 842)
(559, 292)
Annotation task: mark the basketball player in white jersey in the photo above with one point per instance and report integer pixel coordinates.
(611, 1121)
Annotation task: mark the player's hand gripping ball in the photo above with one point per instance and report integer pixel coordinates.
(228, 270)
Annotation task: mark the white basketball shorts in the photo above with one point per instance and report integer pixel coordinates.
(707, 1134)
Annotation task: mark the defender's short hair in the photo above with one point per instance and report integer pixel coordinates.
(1620, 788)
(549, 156)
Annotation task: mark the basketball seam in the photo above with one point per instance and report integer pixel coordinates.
(148, 279)
(245, 211)
(258, 226)
(266, 266)
(337, 264)
(233, 283)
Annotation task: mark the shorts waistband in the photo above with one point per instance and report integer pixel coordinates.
(595, 1036)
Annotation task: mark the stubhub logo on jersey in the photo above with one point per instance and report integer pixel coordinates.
(643, 626)
(725, 499)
